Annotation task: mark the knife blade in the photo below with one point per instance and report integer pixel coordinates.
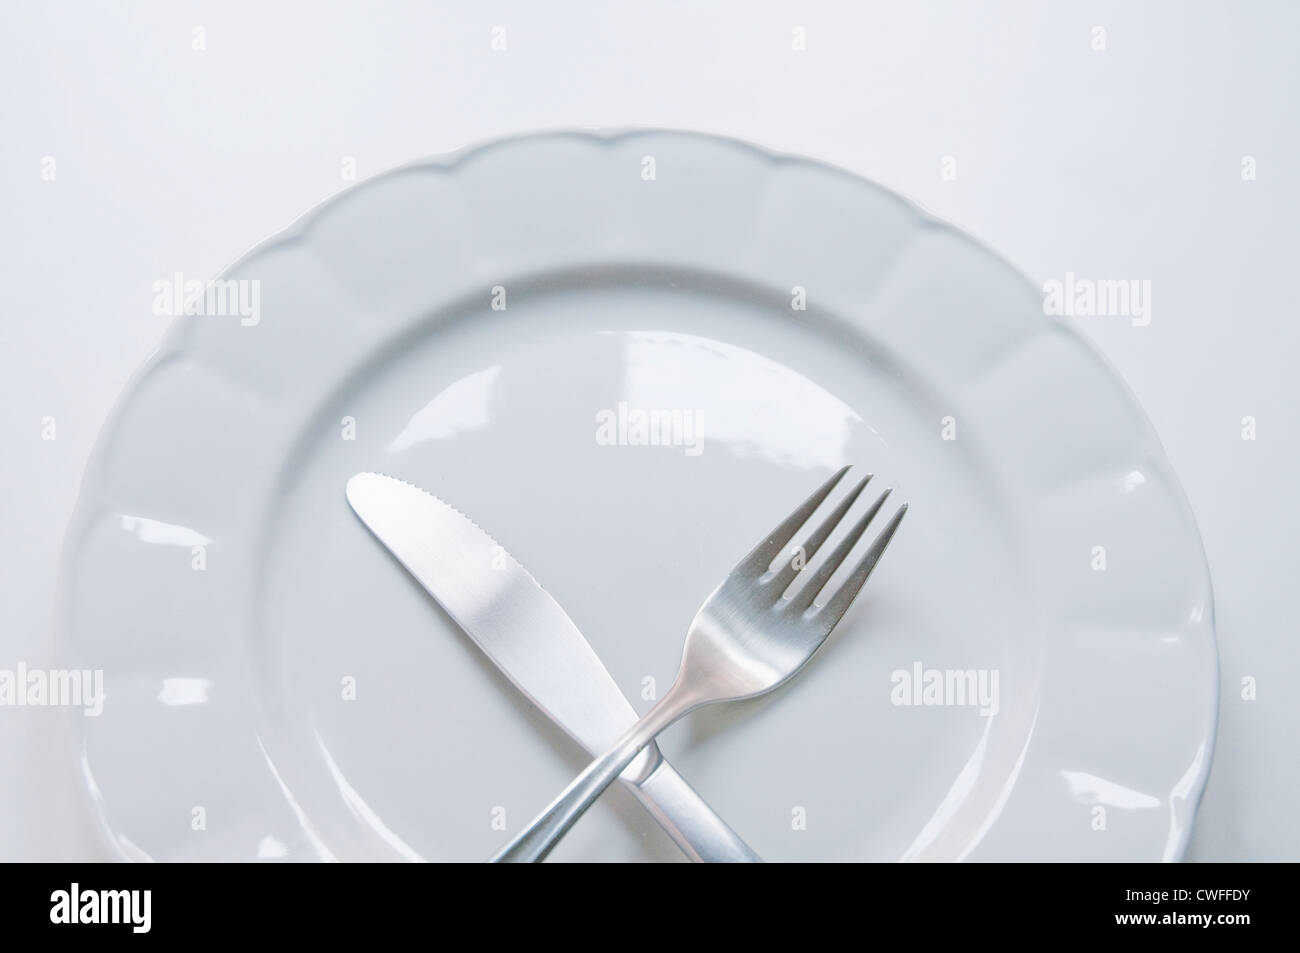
(532, 640)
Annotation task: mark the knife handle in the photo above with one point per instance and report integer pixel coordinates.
(701, 834)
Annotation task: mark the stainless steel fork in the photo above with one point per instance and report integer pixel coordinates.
(747, 639)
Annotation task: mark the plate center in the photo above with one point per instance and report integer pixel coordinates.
(628, 437)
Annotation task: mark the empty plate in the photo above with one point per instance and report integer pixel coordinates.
(625, 356)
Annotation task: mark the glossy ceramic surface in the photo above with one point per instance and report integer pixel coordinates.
(492, 326)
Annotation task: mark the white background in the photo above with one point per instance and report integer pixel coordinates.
(1122, 163)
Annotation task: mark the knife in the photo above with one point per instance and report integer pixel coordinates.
(530, 638)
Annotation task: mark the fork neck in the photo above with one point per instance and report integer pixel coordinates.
(675, 703)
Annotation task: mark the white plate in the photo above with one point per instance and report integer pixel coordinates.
(379, 348)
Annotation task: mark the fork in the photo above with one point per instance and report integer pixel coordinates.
(747, 639)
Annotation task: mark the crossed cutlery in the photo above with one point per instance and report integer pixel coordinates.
(756, 631)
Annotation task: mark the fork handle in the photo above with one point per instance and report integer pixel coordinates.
(536, 841)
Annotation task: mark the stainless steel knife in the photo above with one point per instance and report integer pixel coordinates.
(531, 639)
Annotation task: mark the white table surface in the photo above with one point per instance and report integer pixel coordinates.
(1124, 162)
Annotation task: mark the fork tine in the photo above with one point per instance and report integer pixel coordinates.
(840, 602)
(761, 556)
(803, 599)
(788, 570)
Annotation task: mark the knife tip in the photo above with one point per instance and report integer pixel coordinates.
(358, 483)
